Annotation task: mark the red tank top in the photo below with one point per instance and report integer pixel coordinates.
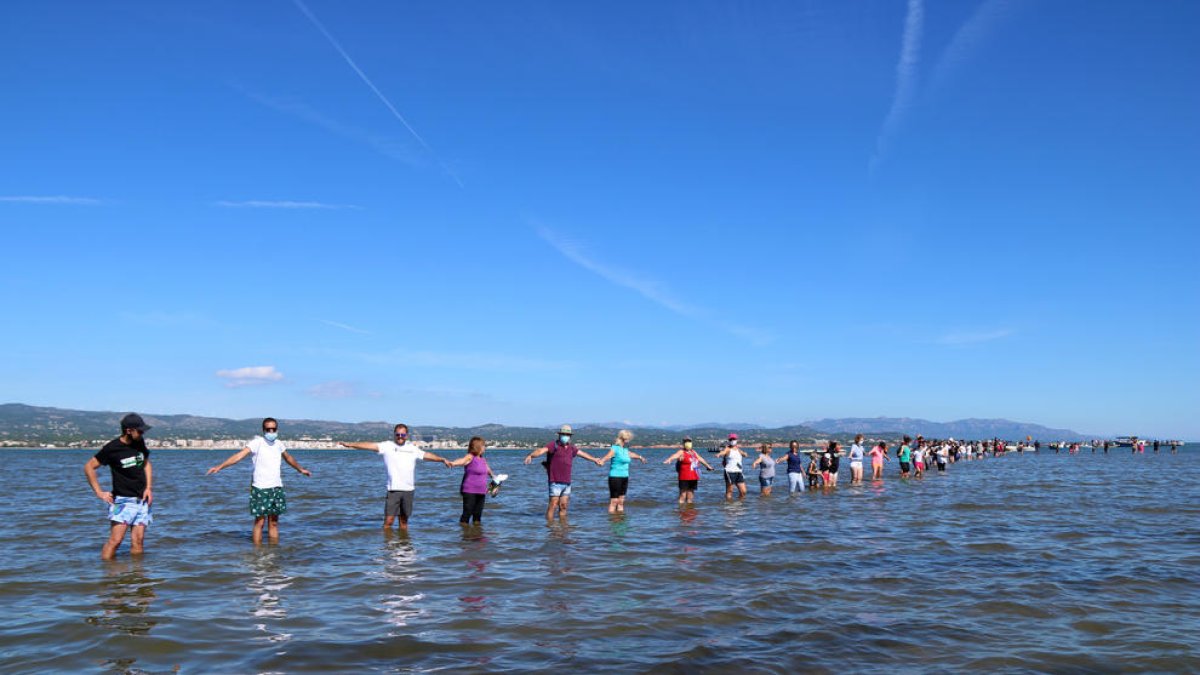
(687, 465)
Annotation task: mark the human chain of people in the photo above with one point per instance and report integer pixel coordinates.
(130, 499)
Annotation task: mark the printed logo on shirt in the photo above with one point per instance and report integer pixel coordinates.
(130, 462)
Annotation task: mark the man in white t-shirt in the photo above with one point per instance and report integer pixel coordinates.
(400, 457)
(267, 501)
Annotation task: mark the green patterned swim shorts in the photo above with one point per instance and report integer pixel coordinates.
(267, 501)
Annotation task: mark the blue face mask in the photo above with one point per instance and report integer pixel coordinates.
(270, 436)
(564, 439)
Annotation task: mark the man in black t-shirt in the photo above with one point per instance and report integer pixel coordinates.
(130, 498)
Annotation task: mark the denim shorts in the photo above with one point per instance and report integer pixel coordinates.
(560, 489)
(766, 481)
(130, 511)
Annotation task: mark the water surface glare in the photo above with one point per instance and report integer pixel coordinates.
(1085, 563)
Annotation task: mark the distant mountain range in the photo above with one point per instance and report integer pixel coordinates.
(968, 428)
(35, 425)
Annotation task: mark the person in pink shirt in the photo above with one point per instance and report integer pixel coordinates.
(878, 457)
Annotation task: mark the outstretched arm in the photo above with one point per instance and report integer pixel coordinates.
(608, 456)
(430, 457)
(461, 461)
(589, 458)
(637, 456)
(536, 453)
(233, 459)
(374, 447)
(672, 458)
(295, 465)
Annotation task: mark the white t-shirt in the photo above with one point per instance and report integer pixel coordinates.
(267, 457)
(401, 461)
(733, 461)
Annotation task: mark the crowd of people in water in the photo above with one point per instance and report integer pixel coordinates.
(131, 496)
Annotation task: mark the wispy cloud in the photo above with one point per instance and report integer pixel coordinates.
(250, 376)
(906, 80)
(52, 199)
(974, 337)
(371, 85)
(345, 327)
(968, 39)
(400, 149)
(283, 204)
(650, 289)
(482, 361)
(340, 389)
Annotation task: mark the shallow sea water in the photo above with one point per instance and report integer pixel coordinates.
(1035, 562)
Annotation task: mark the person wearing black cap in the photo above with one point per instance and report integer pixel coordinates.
(130, 498)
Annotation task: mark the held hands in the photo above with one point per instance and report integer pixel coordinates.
(448, 464)
(599, 462)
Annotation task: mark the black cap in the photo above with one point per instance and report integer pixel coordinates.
(687, 439)
(134, 421)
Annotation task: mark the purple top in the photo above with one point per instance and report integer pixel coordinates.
(475, 476)
(559, 462)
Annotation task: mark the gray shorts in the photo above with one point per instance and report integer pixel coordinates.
(399, 503)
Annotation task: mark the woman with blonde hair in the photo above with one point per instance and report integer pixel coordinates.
(766, 469)
(618, 472)
(475, 480)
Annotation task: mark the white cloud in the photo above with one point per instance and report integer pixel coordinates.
(283, 204)
(54, 199)
(906, 80)
(250, 376)
(974, 337)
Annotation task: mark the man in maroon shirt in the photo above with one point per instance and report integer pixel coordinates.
(558, 469)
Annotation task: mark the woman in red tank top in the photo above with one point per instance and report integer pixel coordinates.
(686, 462)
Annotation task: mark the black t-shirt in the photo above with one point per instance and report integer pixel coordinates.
(128, 464)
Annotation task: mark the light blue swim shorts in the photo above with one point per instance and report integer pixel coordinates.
(560, 489)
(130, 511)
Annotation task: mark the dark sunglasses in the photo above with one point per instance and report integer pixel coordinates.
(401, 435)
(270, 429)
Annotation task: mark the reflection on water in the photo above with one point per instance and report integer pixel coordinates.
(400, 571)
(126, 594)
(997, 566)
(267, 583)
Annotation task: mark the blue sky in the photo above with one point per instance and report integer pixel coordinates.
(675, 212)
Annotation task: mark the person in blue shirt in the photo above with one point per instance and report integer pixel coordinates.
(618, 471)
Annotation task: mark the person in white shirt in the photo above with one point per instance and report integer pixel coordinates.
(400, 457)
(732, 457)
(267, 500)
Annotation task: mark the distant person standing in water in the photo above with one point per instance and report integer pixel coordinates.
(795, 468)
(130, 498)
(687, 465)
(400, 458)
(766, 469)
(618, 472)
(475, 481)
(857, 452)
(731, 458)
(558, 470)
(904, 455)
(267, 499)
(878, 456)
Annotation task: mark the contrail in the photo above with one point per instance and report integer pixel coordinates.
(366, 80)
(968, 38)
(906, 79)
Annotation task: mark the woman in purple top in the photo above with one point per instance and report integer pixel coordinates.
(475, 480)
